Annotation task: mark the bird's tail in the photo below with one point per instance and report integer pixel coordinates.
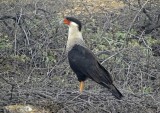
(115, 92)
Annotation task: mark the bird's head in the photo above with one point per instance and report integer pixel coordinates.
(73, 22)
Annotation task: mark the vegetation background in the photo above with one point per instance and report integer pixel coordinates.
(124, 34)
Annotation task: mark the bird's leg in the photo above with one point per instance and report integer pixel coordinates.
(81, 86)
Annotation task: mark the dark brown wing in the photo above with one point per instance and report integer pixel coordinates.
(84, 64)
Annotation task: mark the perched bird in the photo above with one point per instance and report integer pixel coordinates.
(82, 60)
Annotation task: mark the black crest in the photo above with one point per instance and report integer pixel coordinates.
(76, 21)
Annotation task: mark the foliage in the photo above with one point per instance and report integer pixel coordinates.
(5, 43)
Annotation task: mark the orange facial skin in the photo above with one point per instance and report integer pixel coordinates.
(65, 21)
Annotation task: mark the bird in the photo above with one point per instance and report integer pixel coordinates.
(82, 60)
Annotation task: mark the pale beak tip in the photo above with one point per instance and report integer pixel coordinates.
(61, 22)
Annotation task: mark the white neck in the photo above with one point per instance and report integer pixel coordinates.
(74, 36)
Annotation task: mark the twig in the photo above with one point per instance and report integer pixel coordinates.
(19, 16)
(134, 20)
(114, 55)
(46, 16)
(144, 11)
(141, 37)
(7, 81)
(104, 52)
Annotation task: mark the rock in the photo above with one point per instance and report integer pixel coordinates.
(18, 108)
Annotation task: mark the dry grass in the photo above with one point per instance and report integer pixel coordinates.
(92, 6)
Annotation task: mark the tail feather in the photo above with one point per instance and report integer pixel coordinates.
(116, 92)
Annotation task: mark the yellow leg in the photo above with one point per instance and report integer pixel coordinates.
(81, 87)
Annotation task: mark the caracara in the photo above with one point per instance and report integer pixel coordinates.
(82, 60)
